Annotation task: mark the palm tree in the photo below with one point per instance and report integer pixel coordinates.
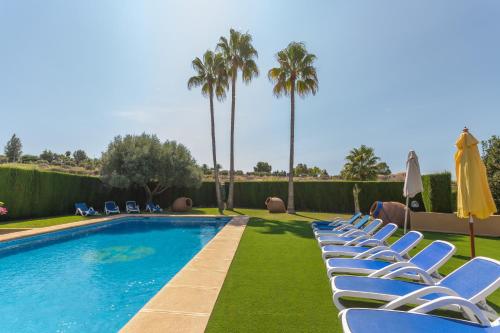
(362, 164)
(295, 73)
(239, 55)
(211, 75)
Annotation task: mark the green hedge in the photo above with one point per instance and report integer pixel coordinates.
(437, 194)
(332, 196)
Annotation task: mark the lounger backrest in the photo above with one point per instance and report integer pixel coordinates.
(373, 226)
(82, 206)
(364, 220)
(110, 205)
(354, 218)
(131, 204)
(385, 232)
(433, 256)
(475, 279)
(407, 242)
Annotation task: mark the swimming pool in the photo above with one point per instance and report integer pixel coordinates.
(94, 278)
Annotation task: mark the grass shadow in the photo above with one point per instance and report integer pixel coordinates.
(275, 227)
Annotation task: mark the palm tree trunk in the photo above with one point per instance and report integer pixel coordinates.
(291, 204)
(214, 155)
(230, 199)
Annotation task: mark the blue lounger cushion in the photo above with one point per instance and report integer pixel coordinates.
(383, 321)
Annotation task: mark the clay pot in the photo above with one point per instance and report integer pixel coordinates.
(275, 205)
(182, 204)
(389, 212)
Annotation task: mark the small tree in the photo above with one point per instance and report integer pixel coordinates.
(301, 169)
(13, 149)
(362, 164)
(263, 167)
(491, 159)
(383, 169)
(142, 160)
(48, 156)
(79, 156)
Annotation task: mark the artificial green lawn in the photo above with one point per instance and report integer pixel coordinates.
(277, 281)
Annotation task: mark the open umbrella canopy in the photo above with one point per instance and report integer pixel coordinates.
(473, 193)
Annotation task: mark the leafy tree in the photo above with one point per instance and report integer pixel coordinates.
(301, 170)
(383, 169)
(211, 75)
(67, 154)
(362, 164)
(79, 156)
(314, 171)
(48, 156)
(13, 149)
(142, 160)
(239, 55)
(263, 167)
(29, 158)
(296, 73)
(491, 159)
(205, 169)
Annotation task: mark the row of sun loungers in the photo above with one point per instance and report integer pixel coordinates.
(372, 269)
(110, 207)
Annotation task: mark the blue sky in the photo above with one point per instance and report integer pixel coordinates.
(395, 75)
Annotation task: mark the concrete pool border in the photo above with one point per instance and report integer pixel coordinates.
(186, 302)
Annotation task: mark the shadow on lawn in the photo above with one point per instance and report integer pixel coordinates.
(273, 227)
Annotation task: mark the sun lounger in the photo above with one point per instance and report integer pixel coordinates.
(82, 209)
(110, 207)
(427, 262)
(153, 208)
(349, 235)
(132, 207)
(342, 228)
(335, 222)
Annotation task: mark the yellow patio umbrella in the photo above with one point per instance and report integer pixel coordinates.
(474, 197)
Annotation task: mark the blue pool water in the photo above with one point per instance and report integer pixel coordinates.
(94, 278)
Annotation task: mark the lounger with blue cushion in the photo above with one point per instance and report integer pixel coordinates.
(373, 245)
(417, 320)
(343, 226)
(335, 222)
(82, 209)
(132, 207)
(153, 208)
(474, 281)
(349, 235)
(428, 260)
(110, 207)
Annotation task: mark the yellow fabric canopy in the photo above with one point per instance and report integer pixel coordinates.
(473, 193)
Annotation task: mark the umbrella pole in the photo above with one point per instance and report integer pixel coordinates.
(471, 231)
(406, 214)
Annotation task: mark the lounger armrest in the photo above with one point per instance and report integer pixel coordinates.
(371, 251)
(471, 310)
(411, 298)
(356, 240)
(426, 277)
(391, 267)
(387, 253)
(371, 242)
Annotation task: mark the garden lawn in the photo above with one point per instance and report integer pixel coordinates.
(277, 281)
(42, 222)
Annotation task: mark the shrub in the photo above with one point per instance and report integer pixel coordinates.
(437, 192)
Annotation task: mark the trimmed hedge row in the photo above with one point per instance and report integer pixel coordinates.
(35, 193)
(437, 194)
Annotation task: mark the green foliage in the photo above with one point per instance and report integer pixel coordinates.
(29, 158)
(323, 196)
(362, 164)
(211, 75)
(302, 170)
(383, 169)
(491, 159)
(437, 195)
(79, 156)
(13, 149)
(47, 155)
(141, 160)
(239, 55)
(263, 167)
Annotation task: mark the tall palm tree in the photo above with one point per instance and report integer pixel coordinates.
(362, 164)
(211, 75)
(239, 55)
(296, 73)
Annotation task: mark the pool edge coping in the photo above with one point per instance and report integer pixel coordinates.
(185, 303)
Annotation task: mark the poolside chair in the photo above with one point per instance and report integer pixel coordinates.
(153, 208)
(349, 235)
(132, 207)
(342, 227)
(417, 320)
(363, 248)
(428, 260)
(110, 207)
(335, 222)
(474, 281)
(82, 209)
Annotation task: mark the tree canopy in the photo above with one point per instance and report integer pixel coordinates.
(363, 164)
(13, 149)
(142, 160)
(491, 159)
(263, 167)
